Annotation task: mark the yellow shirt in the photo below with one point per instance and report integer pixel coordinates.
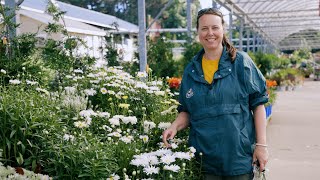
(209, 67)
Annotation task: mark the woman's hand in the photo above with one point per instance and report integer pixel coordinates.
(169, 133)
(261, 154)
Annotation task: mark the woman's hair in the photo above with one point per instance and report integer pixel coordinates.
(230, 48)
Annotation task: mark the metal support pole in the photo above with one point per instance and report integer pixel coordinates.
(230, 25)
(254, 42)
(142, 35)
(12, 5)
(241, 35)
(189, 20)
(248, 39)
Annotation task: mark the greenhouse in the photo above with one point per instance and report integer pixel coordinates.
(162, 89)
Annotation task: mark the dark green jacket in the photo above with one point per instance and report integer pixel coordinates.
(221, 120)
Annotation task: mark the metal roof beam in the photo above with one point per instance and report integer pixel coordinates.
(291, 25)
(289, 20)
(248, 1)
(237, 10)
(280, 12)
(279, 17)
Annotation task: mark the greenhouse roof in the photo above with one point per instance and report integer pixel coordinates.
(287, 24)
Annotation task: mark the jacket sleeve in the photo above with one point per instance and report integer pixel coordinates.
(255, 84)
(182, 107)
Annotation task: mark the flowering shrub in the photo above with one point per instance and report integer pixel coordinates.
(271, 87)
(102, 124)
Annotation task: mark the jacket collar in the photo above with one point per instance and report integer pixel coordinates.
(224, 67)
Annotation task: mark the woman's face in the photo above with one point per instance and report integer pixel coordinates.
(210, 31)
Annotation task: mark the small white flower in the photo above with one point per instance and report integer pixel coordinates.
(144, 138)
(168, 159)
(78, 71)
(3, 71)
(114, 177)
(80, 124)
(192, 149)
(107, 128)
(31, 82)
(68, 137)
(183, 155)
(103, 91)
(148, 125)
(173, 167)
(115, 134)
(126, 139)
(142, 74)
(151, 170)
(43, 91)
(15, 81)
(90, 92)
(160, 93)
(164, 125)
(174, 145)
(103, 114)
(114, 121)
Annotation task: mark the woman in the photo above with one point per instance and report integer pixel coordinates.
(222, 98)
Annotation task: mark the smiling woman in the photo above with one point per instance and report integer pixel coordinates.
(222, 97)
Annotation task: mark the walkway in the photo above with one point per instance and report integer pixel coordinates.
(294, 134)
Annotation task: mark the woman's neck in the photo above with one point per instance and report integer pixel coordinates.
(213, 54)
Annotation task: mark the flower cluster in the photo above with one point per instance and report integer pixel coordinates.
(10, 173)
(174, 82)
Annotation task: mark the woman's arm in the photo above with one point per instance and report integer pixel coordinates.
(181, 122)
(261, 151)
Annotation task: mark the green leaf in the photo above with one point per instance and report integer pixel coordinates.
(34, 164)
(8, 144)
(30, 143)
(20, 159)
(12, 133)
(85, 175)
(23, 148)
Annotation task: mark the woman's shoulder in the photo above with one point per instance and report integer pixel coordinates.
(244, 59)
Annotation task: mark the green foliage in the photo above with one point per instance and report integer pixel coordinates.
(172, 17)
(24, 112)
(281, 63)
(160, 58)
(112, 56)
(56, 57)
(191, 50)
(264, 61)
(289, 76)
(299, 55)
(83, 157)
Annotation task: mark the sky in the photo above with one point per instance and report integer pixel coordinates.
(205, 3)
(208, 3)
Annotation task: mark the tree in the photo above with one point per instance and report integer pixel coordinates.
(173, 17)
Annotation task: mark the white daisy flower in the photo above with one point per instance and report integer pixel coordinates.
(14, 81)
(173, 167)
(151, 170)
(168, 159)
(164, 125)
